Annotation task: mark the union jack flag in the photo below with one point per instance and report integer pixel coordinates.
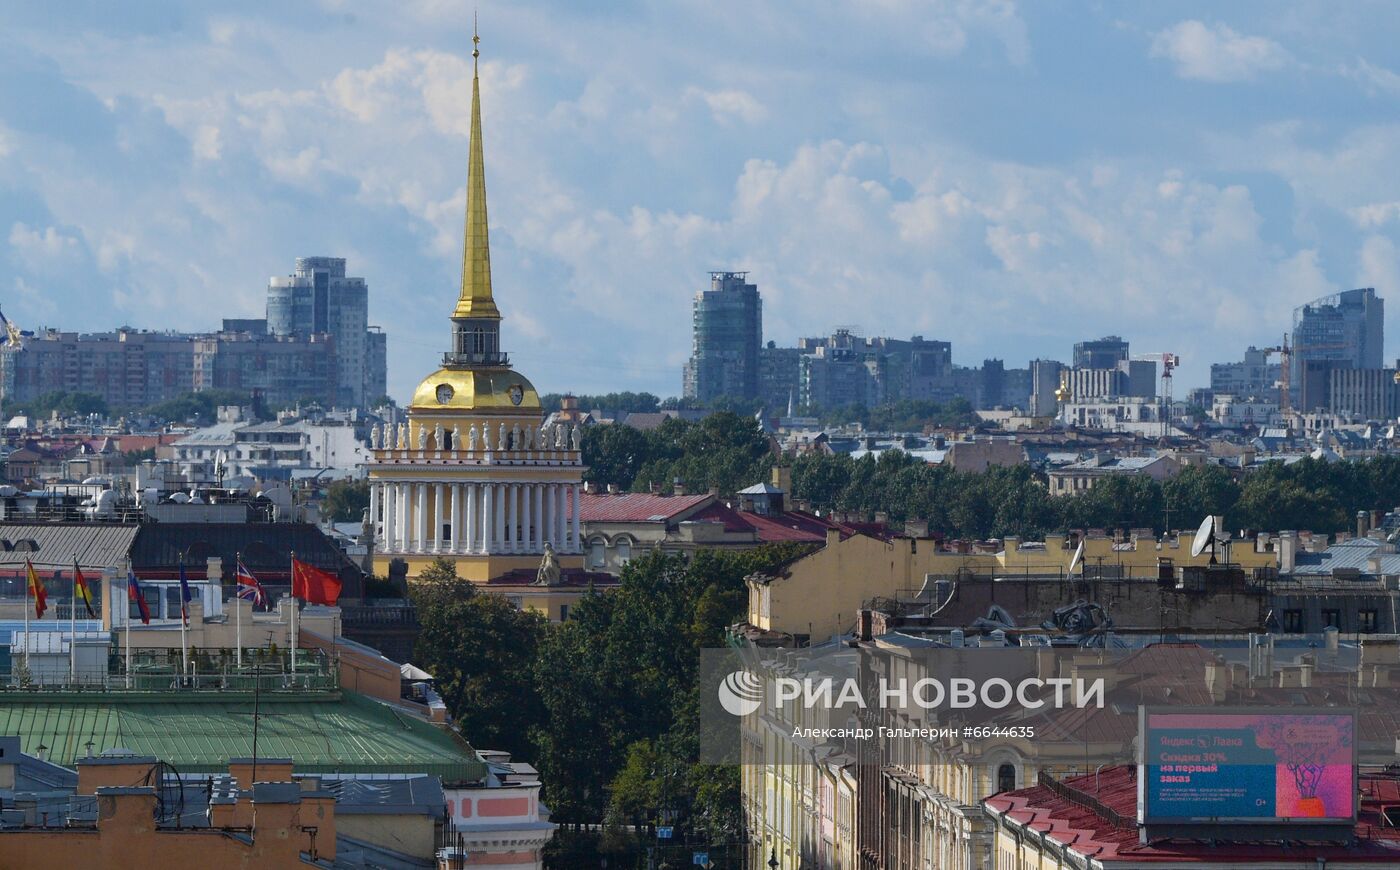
(249, 589)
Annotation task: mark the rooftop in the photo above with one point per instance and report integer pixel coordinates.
(1095, 815)
(332, 732)
(636, 507)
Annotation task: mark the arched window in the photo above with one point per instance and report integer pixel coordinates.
(1006, 777)
(624, 550)
(597, 552)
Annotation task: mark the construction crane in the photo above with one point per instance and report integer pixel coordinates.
(1285, 375)
(1170, 362)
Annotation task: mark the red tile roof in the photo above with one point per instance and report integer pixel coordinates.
(1081, 814)
(635, 507)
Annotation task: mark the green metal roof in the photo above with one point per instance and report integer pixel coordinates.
(337, 732)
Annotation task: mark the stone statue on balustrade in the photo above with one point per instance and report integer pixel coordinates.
(374, 436)
(456, 436)
(577, 438)
(402, 440)
(501, 440)
(559, 436)
(471, 437)
(548, 573)
(422, 437)
(437, 437)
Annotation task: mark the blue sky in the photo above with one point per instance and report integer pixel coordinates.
(1009, 177)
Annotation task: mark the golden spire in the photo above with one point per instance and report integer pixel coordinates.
(476, 301)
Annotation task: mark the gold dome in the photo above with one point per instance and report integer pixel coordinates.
(493, 390)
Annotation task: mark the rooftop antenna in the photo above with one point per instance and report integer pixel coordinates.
(1205, 537)
(1078, 560)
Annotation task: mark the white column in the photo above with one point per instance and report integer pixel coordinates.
(420, 523)
(488, 517)
(438, 493)
(401, 521)
(560, 518)
(374, 512)
(573, 537)
(468, 543)
(455, 542)
(548, 495)
(538, 525)
(527, 529)
(500, 518)
(511, 517)
(390, 508)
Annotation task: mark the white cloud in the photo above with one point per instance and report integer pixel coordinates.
(728, 105)
(1216, 53)
(207, 145)
(45, 243)
(1374, 79)
(1375, 214)
(1379, 264)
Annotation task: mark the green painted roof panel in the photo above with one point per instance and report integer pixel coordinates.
(331, 733)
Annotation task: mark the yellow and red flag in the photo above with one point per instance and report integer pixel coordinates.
(81, 592)
(36, 588)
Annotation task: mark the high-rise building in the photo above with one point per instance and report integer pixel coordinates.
(1045, 380)
(1104, 353)
(778, 376)
(132, 369)
(318, 298)
(727, 332)
(283, 370)
(1342, 331)
(1371, 394)
(1254, 377)
(376, 365)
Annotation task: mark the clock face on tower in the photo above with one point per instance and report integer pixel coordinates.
(517, 394)
(444, 393)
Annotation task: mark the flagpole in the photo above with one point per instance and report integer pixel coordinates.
(126, 621)
(293, 619)
(28, 568)
(184, 609)
(238, 606)
(73, 628)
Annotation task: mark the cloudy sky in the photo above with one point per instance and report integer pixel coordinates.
(1010, 177)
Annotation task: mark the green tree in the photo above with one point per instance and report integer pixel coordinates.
(346, 500)
(615, 454)
(481, 652)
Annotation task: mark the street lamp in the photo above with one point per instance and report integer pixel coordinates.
(772, 858)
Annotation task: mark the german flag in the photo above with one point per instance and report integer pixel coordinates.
(81, 590)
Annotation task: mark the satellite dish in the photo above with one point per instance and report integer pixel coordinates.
(1078, 556)
(1205, 537)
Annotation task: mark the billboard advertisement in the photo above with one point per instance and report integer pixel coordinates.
(1245, 765)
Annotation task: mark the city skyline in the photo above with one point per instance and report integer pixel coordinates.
(960, 173)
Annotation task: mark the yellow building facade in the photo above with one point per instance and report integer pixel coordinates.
(819, 594)
(474, 476)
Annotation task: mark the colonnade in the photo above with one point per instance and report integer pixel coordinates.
(425, 516)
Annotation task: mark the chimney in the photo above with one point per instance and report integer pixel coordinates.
(866, 623)
(1287, 552)
(612, 489)
(678, 487)
(1363, 523)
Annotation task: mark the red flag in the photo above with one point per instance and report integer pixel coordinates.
(313, 584)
